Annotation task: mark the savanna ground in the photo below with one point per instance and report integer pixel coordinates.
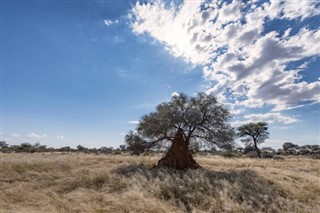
(53, 182)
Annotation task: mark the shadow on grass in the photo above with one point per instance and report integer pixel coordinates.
(243, 190)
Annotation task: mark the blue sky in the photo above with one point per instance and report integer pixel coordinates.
(83, 72)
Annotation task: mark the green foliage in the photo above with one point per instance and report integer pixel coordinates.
(248, 148)
(81, 148)
(304, 151)
(290, 148)
(134, 143)
(194, 147)
(230, 154)
(123, 147)
(25, 146)
(253, 133)
(200, 118)
(3, 144)
(267, 154)
(280, 152)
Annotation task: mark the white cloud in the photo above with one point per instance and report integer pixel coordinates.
(133, 122)
(270, 118)
(59, 137)
(174, 94)
(234, 49)
(109, 22)
(33, 135)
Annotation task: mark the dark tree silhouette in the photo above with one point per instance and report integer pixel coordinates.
(255, 133)
(182, 121)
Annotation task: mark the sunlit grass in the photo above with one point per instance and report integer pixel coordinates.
(108, 183)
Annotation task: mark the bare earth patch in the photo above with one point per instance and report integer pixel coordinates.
(108, 183)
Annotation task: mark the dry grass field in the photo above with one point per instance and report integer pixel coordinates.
(118, 183)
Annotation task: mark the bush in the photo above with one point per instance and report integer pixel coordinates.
(316, 154)
(248, 149)
(280, 152)
(252, 154)
(304, 152)
(267, 155)
(117, 152)
(229, 154)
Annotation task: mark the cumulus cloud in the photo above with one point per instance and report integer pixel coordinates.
(174, 94)
(33, 135)
(133, 122)
(237, 52)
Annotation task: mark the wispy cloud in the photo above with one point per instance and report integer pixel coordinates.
(33, 135)
(109, 22)
(133, 122)
(270, 118)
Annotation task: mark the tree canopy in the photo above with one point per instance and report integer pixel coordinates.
(200, 118)
(254, 133)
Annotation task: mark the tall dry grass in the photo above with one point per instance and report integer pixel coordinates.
(105, 183)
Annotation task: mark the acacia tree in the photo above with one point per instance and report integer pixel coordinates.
(254, 133)
(182, 121)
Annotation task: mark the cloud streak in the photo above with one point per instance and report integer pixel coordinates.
(134, 122)
(35, 136)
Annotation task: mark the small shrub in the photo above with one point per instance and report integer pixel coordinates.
(304, 152)
(117, 152)
(252, 154)
(267, 155)
(229, 154)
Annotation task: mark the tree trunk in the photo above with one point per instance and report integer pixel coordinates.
(257, 149)
(178, 156)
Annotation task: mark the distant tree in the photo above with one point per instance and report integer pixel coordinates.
(280, 152)
(123, 147)
(290, 148)
(304, 151)
(181, 121)
(106, 149)
(65, 149)
(81, 148)
(239, 149)
(194, 147)
(25, 147)
(36, 145)
(268, 150)
(3, 144)
(254, 133)
(134, 143)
